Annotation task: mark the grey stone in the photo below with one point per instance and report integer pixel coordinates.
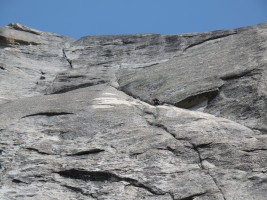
(29, 60)
(78, 118)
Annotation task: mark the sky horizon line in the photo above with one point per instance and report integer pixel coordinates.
(79, 18)
(135, 33)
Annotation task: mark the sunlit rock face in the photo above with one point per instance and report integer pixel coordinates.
(145, 116)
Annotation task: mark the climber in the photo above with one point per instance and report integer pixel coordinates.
(155, 101)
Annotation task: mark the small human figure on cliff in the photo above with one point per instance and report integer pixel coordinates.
(155, 101)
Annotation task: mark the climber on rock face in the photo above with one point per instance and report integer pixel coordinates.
(155, 101)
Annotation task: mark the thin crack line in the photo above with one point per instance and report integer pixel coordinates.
(163, 127)
(199, 156)
(65, 56)
(216, 183)
(209, 39)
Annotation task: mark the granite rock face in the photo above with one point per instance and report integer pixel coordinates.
(145, 116)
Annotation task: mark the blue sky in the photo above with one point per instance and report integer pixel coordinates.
(77, 18)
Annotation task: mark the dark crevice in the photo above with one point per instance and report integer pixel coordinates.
(197, 99)
(75, 87)
(88, 175)
(192, 197)
(79, 190)
(136, 154)
(205, 145)
(48, 114)
(75, 76)
(91, 151)
(170, 149)
(103, 176)
(65, 56)
(18, 181)
(171, 195)
(147, 66)
(38, 151)
(209, 39)
(263, 131)
(253, 150)
(2, 68)
(195, 147)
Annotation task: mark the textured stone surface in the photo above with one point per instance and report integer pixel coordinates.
(78, 120)
(29, 61)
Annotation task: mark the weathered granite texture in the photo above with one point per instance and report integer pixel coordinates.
(78, 118)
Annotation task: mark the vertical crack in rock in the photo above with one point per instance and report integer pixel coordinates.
(199, 155)
(196, 149)
(216, 183)
(164, 128)
(171, 195)
(65, 56)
